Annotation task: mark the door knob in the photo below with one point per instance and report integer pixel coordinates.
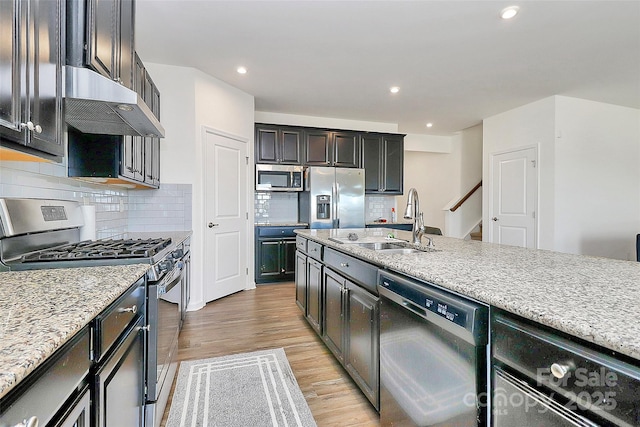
(495, 218)
(211, 225)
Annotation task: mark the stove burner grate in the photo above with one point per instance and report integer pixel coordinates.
(101, 249)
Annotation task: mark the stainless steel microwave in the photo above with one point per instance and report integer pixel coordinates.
(279, 178)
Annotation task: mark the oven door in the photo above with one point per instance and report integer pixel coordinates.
(164, 311)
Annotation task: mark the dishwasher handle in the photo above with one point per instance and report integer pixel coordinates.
(417, 310)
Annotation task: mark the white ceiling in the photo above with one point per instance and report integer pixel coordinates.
(456, 62)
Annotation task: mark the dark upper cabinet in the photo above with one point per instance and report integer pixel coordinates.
(346, 149)
(326, 148)
(278, 145)
(317, 148)
(31, 76)
(151, 149)
(383, 162)
(110, 32)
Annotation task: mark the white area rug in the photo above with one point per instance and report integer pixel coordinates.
(248, 389)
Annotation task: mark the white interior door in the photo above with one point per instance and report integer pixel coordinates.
(514, 187)
(225, 254)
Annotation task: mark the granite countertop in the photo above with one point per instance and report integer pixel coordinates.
(592, 298)
(40, 310)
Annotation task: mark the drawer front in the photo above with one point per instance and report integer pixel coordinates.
(301, 244)
(277, 231)
(589, 379)
(364, 274)
(114, 320)
(57, 380)
(314, 250)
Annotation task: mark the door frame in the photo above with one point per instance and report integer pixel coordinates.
(491, 196)
(249, 282)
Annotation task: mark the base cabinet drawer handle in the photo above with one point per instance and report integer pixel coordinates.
(133, 309)
(344, 264)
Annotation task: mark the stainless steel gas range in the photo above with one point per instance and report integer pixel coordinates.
(45, 233)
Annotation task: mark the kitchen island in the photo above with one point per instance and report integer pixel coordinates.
(40, 310)
(594, 299)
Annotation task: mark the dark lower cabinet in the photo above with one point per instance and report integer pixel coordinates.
(351, 329)
(362, 334)
(276, 260)
(314, 294)
(334, 307)
(79, 414)
(119, 382)
(96, 379)
(275, 254)
(301, 281)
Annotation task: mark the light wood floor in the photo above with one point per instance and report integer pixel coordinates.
(268, 317)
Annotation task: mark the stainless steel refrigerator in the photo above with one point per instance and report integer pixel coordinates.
(333, 198)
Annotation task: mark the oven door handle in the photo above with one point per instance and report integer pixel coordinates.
(163, 289)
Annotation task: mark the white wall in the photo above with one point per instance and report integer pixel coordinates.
(597, 178)
(470, 143)
(589, 180)
(324, 122)
(435, 176)
(443, 175)
(526, 126)
(193, 100)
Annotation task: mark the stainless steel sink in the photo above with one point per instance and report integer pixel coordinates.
(379, 246)
(400, 251)
(388, 248)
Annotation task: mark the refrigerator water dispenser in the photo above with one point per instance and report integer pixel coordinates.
(323, 206)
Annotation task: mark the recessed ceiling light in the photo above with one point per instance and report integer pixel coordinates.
(509, 12)
(429, 125)
(394, 89)
(241, 70)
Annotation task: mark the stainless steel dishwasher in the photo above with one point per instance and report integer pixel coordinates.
(433, 355)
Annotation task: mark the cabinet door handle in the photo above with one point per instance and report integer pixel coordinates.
(38, 129)
(133, 309)
(28, 125)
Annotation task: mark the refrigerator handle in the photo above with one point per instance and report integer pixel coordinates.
(335, 190)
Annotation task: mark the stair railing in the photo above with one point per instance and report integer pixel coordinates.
(466, 197)
(462, 215)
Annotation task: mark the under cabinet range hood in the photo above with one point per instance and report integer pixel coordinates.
(98, 105)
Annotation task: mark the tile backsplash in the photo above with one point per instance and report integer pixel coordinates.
(277, 207)
(165, 209)
(377, 207)
(117, 210)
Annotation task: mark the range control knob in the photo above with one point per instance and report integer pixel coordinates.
(165, 265)
(178, 253)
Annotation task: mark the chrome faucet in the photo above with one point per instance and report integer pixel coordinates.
(412, 211)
